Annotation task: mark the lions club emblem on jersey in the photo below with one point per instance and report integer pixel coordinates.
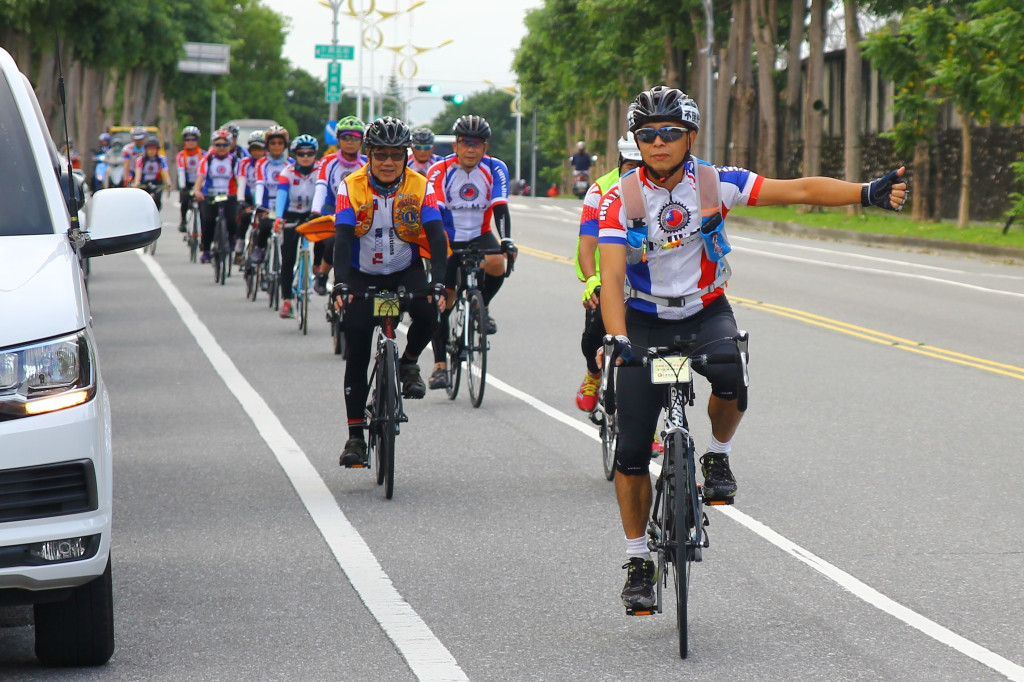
(469, 192)
(674, 217)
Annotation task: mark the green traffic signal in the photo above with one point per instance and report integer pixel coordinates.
(454, 99)
(432, 89)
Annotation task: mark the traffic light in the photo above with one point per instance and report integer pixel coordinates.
(432, 89)
(454, 99)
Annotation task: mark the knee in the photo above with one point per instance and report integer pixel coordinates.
(494, 264)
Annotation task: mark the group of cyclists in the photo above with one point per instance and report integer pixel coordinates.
(395, 202)
(650, 273)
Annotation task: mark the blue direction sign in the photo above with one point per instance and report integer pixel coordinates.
(332, 92)
(335, 52)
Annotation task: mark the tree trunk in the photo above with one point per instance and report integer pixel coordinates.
(794, 78)
(670, 64)
(814, 99)
(964, 217)
(727, 57)
(921, 189)
(743, 113)
(765, 23)
(699, 87)
(852, 162)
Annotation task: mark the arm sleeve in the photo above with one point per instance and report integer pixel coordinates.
(241, 182)
(343, 236)
(501, 220)
(281, 202)
(438, 241)
(181, 171)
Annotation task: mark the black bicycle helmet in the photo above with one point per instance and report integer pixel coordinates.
(471, 125)
(423, 136)
(387, 131)
(662, 103)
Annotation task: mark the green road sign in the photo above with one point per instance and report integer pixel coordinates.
(332, 92)
(335, 52)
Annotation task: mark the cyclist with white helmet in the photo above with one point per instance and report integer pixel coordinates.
(471, 188)
(387, 222)
(265, 194)
(676, 283)
(132, 152)
(423, 156)
(188, 160)
(295, 186)
(333, 169)
(217, 174)
(97, 157)
(588, 269)
(257, 145)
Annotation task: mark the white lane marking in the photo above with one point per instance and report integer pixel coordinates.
(870, 595)
(835, 252)
(424, 653)
(894, 273)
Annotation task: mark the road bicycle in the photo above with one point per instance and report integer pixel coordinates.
(384, 409)
(192, 230)
(467, 325)
(155, 190)
(252, 271)
(609, 430)
(315, 230)
(221, 248)
(676, 530)
(270, 269)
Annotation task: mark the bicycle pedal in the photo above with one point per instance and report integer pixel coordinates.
(356, 466)
(640, 612)
(718, 503)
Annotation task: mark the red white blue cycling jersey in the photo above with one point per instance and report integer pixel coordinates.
(188, 166)
(295, 190)
(672, 271)
(380, 251)
(150, 167)
(267, 170)
(129, 154)
(220, 174)
(247, 172)
(591, 208)
(467, 199)
(333, 169)
(422, 168)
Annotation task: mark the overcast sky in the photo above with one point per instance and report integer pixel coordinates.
(483, 34)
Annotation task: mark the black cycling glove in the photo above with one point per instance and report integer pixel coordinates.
(341, 291)
(877, 193)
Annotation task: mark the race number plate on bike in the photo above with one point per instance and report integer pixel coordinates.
(220, 198)
(385, 306)
(670, 370)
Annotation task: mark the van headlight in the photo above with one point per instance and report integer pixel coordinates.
(46, 376)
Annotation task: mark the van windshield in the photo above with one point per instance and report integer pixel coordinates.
(22, 205)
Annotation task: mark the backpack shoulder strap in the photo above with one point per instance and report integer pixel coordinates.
(709, 190)
(633, 199)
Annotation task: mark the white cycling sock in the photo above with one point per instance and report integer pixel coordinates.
(718, 446)
(637, 547)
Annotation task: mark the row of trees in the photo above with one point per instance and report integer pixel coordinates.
(120, 64)
(582, 61)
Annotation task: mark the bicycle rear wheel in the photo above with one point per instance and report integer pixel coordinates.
(609, 434)
(457, 321)
(476, 357)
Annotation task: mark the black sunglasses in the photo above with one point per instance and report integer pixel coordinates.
(668, 134)
(305, 154)
(384, 156)
(191, 139)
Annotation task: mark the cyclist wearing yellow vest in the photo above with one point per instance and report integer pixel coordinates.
(588, 269)
(387, 222)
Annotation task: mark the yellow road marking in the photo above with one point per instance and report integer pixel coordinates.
(847, 328)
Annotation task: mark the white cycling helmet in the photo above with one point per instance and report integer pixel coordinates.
(628, 149)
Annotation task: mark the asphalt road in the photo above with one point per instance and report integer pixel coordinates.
(875, 537)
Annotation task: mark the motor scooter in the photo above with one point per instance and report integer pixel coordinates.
(113, 162)
(580, 183)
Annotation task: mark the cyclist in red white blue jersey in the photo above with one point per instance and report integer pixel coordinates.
(294, 201)
(217, 174)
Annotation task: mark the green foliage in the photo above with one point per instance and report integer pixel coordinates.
(1017, 207)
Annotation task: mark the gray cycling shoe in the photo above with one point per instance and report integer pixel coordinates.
(412, 382)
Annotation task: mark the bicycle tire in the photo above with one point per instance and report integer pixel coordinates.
(192, 219)
(387, 418)
(454, 347)
(682, 514)
(304, 292)
(274, 275)
(609, 435)
(476, 353)
(372, 419)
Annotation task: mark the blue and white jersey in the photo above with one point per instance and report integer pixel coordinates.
(467, 198)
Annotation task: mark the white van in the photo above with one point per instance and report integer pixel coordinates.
(55, 443)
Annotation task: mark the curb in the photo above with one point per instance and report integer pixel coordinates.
(1005, 253)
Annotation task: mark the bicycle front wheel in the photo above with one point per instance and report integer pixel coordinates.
(685, 504)
(457, 321)
(476, 357)
(304, 293)
(609, 434)
(387, 418)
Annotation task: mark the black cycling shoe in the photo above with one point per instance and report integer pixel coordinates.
(320, 284)
(412, 383)
(490, 326)
(439, 379)
(354, 454)
(641, 577)
(719, 483)
(181, 227)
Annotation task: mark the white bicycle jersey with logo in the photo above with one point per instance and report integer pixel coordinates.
(220, 174)
(267, 170)
(333, 169)
(468, 197)
(297, 189)
(675, 264)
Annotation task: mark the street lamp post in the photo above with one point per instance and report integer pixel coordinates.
(335, 6)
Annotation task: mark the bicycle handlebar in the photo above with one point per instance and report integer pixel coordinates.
(479, 253)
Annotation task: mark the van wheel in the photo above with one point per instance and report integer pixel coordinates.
(80, 629)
